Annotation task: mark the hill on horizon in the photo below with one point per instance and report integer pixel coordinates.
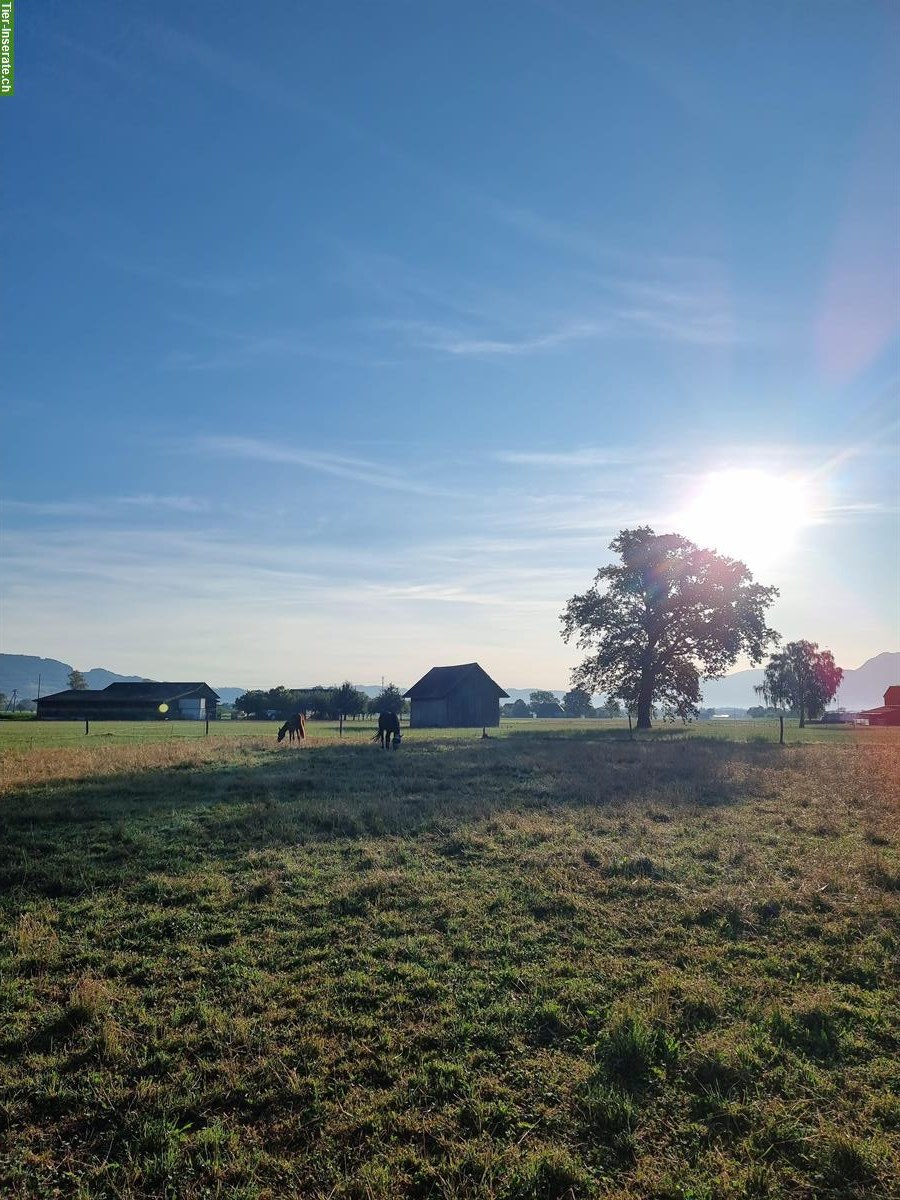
(24, 673)
(863, 687)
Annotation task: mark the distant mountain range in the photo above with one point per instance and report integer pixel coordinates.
(25, 674)
(863, 687)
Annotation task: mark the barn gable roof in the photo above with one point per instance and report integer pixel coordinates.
(892, 695)
(439, 682)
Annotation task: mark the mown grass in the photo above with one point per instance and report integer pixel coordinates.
(535, 966)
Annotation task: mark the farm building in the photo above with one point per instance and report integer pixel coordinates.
(887, 713)
(132, 702)
(455, 697)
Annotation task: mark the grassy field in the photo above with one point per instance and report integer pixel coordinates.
(30, 735)
(552, 964)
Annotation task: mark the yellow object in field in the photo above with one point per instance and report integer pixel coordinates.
(164, 708)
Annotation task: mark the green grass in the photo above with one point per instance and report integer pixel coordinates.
(32, 734)
(552, 964)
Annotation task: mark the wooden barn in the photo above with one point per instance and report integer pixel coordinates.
(132, 702)
(889, 712)
(459, 697)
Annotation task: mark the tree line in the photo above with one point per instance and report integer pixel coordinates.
(337, 702)
(575, 703)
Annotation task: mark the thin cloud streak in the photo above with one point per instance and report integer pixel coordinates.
(102, 507)
(583, 456)
(357, 470)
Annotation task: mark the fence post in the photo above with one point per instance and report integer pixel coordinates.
(87, 727)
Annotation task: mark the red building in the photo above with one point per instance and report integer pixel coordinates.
(889, 712)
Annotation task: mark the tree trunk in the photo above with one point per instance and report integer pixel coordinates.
(645, 702)
(781, 729)
(802, 715)
(645, 705)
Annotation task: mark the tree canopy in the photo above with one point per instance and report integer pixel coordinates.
(801, 677)
(77, 681)
(389, 699)
(665, 617)
(577, 703)
(322, 703)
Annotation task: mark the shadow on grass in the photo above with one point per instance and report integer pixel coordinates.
(68, 838)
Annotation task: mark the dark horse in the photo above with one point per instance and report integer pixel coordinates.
(388, 727)
(294, 728)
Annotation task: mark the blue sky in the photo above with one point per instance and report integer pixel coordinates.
(341, 339)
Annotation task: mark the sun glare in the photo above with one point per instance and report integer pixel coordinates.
(752, 515)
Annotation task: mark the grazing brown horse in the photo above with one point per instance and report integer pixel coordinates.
(388, 727)
(294, 728)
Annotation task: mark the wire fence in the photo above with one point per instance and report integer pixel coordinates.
(32, 735)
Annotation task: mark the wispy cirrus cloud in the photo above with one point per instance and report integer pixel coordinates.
(580, 456)
(685, 303)
(448, 340)
(106, 506)
(358, 470)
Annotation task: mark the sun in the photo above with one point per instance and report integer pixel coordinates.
(754, 515)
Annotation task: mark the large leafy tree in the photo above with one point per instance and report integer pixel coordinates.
(77, 681)
(801, 677)
(666, 616)
(577, 703)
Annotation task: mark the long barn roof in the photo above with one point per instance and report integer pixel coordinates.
(148, 690)
(441, 681)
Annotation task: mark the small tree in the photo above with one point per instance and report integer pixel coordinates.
(521, 709)
(348, 701)
(801, 677)
(77, 681)
(669, 615)
(541, 697)
(577, 703)
(611, 707)
(390, 699)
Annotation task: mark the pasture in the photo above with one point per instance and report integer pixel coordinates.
(552, 964)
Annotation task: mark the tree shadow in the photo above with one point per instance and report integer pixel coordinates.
(110, 832)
